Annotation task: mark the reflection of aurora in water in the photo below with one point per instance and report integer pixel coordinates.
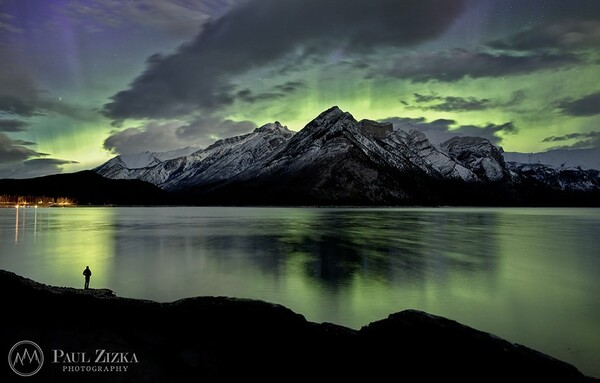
(520, 273)
(51, 242)
(334, 247)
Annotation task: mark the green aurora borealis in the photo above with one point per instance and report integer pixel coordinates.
(525, 72)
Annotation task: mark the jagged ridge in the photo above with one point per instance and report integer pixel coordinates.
(336, 159)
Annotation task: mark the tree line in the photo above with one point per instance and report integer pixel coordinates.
(19, 200)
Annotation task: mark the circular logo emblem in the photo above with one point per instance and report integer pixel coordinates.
(25, 358)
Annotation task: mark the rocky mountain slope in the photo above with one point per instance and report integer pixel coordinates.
(221, 160)
(337, 160)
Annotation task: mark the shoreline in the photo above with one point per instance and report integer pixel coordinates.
(221, 338)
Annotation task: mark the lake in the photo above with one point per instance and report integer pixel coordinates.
(531, 276)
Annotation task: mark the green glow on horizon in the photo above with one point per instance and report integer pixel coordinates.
(79, 141)
(75, 63)
(535, 116)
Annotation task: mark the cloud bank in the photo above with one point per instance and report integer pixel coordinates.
(582, 140)
(458, 64)
(588, 105)
(156, 136)
(256, 33)
(441, 130)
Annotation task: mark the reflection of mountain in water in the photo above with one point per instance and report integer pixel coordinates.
(333, 247)
(381, 246)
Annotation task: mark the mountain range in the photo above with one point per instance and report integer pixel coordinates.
(585, 158)
(337, 160)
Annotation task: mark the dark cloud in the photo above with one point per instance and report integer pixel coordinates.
(26, 100)
(256, 33)
(461, 63)
(583, 140)
(420, 123)
(462, 104)
(48, 162)
(150, 137)
(278, 92)
(247, 95)
(12, 125)
(18, 91)
(591, 143)
(441, 130)
(566, 35)
(489, 131)
(27, 143)
(15, 151)
(160, 137)
(67, 109)
(33, 168)
(179, 17)
(16, 76)
(17, 107)
(290, 86)
(424, 98)
(571, 136)
(21, 96)
(208, 129)
(453, 103)
(518, 12)
(585, 106)
(40, 106)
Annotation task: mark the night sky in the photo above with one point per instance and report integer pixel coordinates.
(82, 81)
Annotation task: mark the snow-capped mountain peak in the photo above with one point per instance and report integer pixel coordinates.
(329, 117)
(337, 159)
(221, 160)
(272, 127)
(140, 160)
(479, 155)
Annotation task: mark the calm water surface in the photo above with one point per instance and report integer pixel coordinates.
(531, 276)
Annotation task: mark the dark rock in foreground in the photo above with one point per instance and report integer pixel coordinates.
(217, 338)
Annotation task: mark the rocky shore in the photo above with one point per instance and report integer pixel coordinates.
(218, 338)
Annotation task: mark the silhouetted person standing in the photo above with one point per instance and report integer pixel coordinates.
(87, 273)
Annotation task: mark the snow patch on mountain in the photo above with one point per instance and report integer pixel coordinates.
(562, 178)
(339, 157)
(147, 159)
(478, 155)
(419, 151)
(221, 160)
